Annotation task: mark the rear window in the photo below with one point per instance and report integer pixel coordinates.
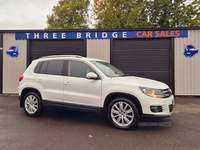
(53, 67)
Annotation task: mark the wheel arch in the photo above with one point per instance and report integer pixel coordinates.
(115, 95)
(27, 90)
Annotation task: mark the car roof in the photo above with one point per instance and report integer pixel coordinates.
(74, 57)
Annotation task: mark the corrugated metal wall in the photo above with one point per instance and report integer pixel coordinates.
(148, 58)
(1, 62)
(40, 48)
(187, 69)
(99, 49)
(13, 67)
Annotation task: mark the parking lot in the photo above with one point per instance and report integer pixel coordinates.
(72, 130)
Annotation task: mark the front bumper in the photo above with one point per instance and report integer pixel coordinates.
(147, 116)
(167, 105)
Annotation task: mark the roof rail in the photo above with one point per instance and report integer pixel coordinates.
(54, 56)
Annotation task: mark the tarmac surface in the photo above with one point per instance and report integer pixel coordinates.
(71, 130)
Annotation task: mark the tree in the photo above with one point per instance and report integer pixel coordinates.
(115, 14)
(69, 14)
(174, 13)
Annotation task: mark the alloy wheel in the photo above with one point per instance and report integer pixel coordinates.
(31, 104)
(122, 114)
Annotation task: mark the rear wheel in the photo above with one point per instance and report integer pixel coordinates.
(123, 113)
(32, 104)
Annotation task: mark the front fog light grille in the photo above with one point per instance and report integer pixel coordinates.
(167, 92)
(156, 109)
(171, 108)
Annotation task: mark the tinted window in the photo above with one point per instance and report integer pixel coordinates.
(55, 67)
(43, 68)
(37, 68)
(78, 69)
(108, 69)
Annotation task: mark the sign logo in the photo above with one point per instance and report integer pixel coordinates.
(13, 51)
(190, 51)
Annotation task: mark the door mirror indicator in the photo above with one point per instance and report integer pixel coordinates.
(92, 75)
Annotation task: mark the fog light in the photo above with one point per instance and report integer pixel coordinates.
(156, 109)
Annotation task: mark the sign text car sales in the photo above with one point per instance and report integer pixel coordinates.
(101, 35)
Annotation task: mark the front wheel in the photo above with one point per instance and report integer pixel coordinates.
(123, 113)
(32, 104)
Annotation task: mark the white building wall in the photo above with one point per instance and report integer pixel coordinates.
(13, 68)
(187, 69)
(99, 49)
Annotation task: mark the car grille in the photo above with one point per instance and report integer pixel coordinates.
(171, 107)
(167, 92)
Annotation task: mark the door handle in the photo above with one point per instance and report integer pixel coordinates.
(68, 83)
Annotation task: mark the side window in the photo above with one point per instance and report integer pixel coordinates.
(78, 69)
(37, 68)
(43, 68)
(55, 67)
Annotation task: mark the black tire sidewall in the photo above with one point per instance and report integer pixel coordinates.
(135, 121)
(40, 108)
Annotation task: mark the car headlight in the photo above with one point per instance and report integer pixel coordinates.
(152, 92)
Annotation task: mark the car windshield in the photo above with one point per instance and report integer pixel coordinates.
(108, 69)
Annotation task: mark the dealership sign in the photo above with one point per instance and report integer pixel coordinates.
(101, 35)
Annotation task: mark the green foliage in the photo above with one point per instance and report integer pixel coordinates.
(176, 13)
(116, 14)
(69, 14)
(124, 14)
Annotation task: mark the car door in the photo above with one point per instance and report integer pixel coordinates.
(77, 88)
(49, 80)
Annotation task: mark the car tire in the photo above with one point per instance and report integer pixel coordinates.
(33, 104)
(123, 113)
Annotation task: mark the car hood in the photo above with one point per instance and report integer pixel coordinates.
(138, 81)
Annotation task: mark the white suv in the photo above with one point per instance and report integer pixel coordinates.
(76, 82)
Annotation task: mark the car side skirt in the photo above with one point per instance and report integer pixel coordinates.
(69, 106)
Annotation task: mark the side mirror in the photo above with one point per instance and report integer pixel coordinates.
(92, 75)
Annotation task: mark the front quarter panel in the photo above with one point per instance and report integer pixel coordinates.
(109, 87)
(145, 101)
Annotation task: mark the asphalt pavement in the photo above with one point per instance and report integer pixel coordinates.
(72, 130)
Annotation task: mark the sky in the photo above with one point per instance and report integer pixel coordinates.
(25, 14)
